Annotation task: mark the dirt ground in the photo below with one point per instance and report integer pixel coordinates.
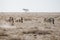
(29, 26)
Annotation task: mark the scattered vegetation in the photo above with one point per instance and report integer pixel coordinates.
(37, 32)
(27, 19)
(15, 39)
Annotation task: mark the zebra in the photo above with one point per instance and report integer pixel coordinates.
(49, 20)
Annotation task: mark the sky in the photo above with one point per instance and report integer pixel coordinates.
(32, 5)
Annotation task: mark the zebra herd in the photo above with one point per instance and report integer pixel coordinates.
(11, 19)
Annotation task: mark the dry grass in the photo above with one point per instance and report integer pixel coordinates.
(32, 27)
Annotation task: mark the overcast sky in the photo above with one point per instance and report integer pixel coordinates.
(32, 5)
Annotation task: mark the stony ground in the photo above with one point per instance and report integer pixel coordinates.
(29, 26)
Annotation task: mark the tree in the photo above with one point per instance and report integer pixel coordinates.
(26, 10)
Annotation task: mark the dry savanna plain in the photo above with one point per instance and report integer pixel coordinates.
(29, 26)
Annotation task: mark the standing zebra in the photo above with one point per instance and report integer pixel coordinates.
(49, 20)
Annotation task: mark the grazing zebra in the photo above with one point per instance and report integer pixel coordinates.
(11, 20)
(49, 20)
(19, 20)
